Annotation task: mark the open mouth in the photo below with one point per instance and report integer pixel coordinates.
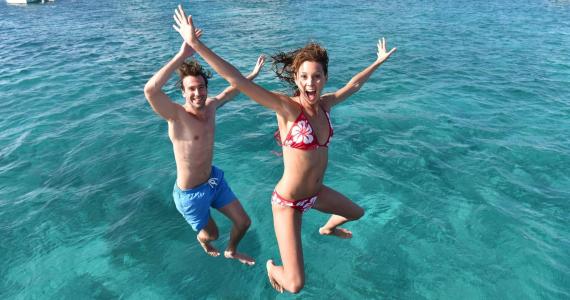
(311, 95)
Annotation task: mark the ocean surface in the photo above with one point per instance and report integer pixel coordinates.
(458, 148)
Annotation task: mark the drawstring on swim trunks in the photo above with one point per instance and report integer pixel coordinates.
(213, 182)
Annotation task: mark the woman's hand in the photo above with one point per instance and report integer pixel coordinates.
(185, 49)
(185, 26)
(382, 54)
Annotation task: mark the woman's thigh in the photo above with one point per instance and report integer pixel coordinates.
(333, 202)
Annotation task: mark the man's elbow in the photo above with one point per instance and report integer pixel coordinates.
(234, 83)
(150, 89)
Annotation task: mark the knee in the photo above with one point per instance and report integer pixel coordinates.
(243, 224)
(296, 285)
(359, 213)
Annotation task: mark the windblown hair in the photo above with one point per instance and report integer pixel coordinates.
(192, 68)
(286, 64)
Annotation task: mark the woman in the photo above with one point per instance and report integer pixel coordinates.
(304, 130)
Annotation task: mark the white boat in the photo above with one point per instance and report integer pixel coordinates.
(26, 1)
(21, 1)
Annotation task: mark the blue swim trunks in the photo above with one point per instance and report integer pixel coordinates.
(194, 204)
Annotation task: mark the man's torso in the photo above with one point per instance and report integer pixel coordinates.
(192, 140)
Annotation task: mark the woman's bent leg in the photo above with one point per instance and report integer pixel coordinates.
(342, 209)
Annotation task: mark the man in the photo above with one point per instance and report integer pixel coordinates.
(199, 184)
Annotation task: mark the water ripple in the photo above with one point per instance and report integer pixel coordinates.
(457, 148)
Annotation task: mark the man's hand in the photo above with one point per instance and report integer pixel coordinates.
(258, 65)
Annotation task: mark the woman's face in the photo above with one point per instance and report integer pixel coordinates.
(310, 79)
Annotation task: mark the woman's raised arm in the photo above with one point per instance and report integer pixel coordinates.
(276, 102)
(359, 79)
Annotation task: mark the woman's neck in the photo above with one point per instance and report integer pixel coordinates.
(310, 109)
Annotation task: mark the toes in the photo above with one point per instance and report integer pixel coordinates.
(242, 258)
(272, 281)
(209, 249)
(339, 232)
(344, 233)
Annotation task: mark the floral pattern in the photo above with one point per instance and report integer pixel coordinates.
(302, 132)
(301, 205)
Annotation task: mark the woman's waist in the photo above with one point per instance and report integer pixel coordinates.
(305, 164)
(298, 188)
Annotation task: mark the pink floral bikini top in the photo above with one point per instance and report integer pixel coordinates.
(302, 136)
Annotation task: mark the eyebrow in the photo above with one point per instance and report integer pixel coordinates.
(195, 87)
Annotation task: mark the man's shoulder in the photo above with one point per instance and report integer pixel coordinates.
(212, 103)
(178, 107)
(211, 100)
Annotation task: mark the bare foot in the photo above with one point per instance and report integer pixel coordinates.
(340, 232)
(208, 248)
(274, 283)
(242, 258)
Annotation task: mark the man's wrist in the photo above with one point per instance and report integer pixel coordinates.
(251, 76)
(182, 55)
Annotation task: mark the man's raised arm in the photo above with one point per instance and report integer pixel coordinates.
(159, 101)
(231, 92)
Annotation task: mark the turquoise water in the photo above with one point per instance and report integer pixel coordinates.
(458, 148)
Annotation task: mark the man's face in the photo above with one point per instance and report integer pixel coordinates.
(195, 91)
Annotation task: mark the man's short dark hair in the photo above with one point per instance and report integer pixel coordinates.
(192, 68)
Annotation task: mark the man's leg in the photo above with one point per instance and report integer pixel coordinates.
(241, 222)
(208, 234)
